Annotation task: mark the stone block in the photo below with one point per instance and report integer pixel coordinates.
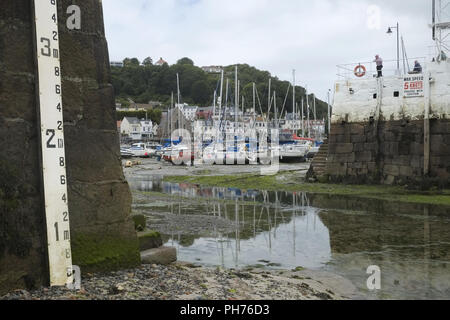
(372, 166)
(149, 240)
(417, 162)
(357, 129)
(416, 148)
(373, 146)
(403, 148)
(391, 170)
(390, 148)
(406, 171)
(440, 126)
(358, 147)
(365, 156)
(401, 160)
(358, 138)
(347, 157)
(337, 129)
(438, 146)
(160, 256)
(343, 147)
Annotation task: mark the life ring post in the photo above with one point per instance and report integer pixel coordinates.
(360, 71)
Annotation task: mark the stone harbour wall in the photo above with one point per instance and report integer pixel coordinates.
(391, 152)
(102, 233)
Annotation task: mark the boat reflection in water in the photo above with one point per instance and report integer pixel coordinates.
(343, 235)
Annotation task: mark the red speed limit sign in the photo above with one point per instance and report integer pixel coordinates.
(413, 87)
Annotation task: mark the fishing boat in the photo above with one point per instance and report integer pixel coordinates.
(125, 153)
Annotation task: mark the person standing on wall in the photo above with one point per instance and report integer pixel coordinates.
(379, 63)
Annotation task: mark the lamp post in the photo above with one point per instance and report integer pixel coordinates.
(398, 44)
(329, 113)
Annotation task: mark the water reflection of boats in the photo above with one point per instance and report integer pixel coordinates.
(410, 243)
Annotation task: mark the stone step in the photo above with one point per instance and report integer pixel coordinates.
(318, 164)
(160, 256)
(149, 240)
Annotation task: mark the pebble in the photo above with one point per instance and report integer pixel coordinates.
(178, 282)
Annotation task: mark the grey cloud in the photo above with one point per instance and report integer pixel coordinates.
(309, 36)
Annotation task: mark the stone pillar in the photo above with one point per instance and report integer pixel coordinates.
(103, 237)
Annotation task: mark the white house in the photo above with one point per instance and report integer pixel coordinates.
(155, 129)
(190, 113)
(131, 127)
(146, 129)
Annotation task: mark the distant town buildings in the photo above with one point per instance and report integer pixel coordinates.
(213, 69)
(118, 64)
(205, 113)
(174, 119)
(138, 106)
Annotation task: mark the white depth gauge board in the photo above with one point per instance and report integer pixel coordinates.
(52, 142)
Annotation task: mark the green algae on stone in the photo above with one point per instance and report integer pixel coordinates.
(149, 240)
(139, 222)
(282, 182)
(97, 253)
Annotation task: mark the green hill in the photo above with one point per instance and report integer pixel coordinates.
(144, 83)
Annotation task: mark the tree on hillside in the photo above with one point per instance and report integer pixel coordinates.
(134, 62)
(156, 83)
(147, 62)
(200, 92)
(185, 61)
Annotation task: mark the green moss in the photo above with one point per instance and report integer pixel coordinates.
(99, 253)
(149, 234)
(149, 240)
(139, 222)
(298, 269)
(283, 182)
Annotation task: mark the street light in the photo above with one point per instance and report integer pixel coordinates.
(398, 44)
(329, 113)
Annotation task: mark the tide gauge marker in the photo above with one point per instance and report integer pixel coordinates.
(49, 97)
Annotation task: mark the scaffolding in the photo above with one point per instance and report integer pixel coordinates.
(441, 27)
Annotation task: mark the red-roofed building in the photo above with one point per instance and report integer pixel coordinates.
(161, 62)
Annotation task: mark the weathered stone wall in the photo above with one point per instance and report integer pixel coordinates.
(391, 152)
(103, 236)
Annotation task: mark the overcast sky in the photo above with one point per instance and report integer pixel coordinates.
(278, 36)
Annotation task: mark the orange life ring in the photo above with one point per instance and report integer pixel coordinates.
(360, 71)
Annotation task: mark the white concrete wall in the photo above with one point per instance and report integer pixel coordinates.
(361, 105)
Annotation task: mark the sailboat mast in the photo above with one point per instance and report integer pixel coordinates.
(294, 109)
(303, 119)
(178, 88)
(236, 94)
(254, 98)
(214, 102)
(169, 117)
(293, 95)
(307, 111)
(239, 95)
(221, 95)
(275, 106)
(314, 102)
(270, 99)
